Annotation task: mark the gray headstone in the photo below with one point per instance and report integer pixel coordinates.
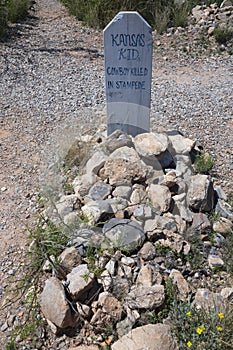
(128, 67)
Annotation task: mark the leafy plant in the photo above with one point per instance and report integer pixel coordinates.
(223, 34)
(227, 252)
(12, 11)
(162, 249)
(17, 9)
(180, 14)
(203, 163)
(3, 17)
(11, 345)
(202, 329)
(197, 253)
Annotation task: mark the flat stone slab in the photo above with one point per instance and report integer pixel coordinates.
(149, 337)
(124, 233)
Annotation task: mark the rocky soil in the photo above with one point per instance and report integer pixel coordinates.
(52, 88)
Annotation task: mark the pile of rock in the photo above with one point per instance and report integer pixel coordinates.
(136, 207)
(213, 16)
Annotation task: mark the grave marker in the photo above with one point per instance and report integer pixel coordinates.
(128, 69)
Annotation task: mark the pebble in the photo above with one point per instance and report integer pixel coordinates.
(4, 327)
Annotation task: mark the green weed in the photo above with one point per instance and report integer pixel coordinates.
(98, 13)
(223, 34)
(12, 11)
(227, 252)
(203, 163)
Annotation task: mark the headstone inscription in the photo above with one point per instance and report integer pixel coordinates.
(128, 69)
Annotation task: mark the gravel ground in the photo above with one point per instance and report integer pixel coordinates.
(52, 86)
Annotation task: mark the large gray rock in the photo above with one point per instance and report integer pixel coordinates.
(144, 297)
(107, 310)
(54, 304)
(120, 171)
(66, 205)
(223, 225)
(69, 259)
(205, 299)
(138, 195)
(183, 286)
(123, 192)
(180, 144)
(201, 193)
(125, 153)
(124, 233)
(148, 276)
(95, 211)
(151, 144)
(117, 140)
(200, 222)
(95, 163)
(81, 281)
(147, 252)
(160, 197)
(224, 209)
(149, 337)
(100, 190)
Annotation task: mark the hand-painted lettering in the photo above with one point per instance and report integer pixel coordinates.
(134, 85)
(128, 40)
(125, 71)
(128, 54)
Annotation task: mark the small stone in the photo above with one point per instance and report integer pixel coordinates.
(182, 285)
(201, 193)
(147, 252)
(160, 197)
(81, 281)
(215, 262)
(148, 276)
(223, 226)
(99, 190)
(4, 327)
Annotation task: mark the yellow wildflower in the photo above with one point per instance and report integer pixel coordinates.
(189, 313)
(200, 330)
(221, 315)
(219, 328)
(189, 344)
